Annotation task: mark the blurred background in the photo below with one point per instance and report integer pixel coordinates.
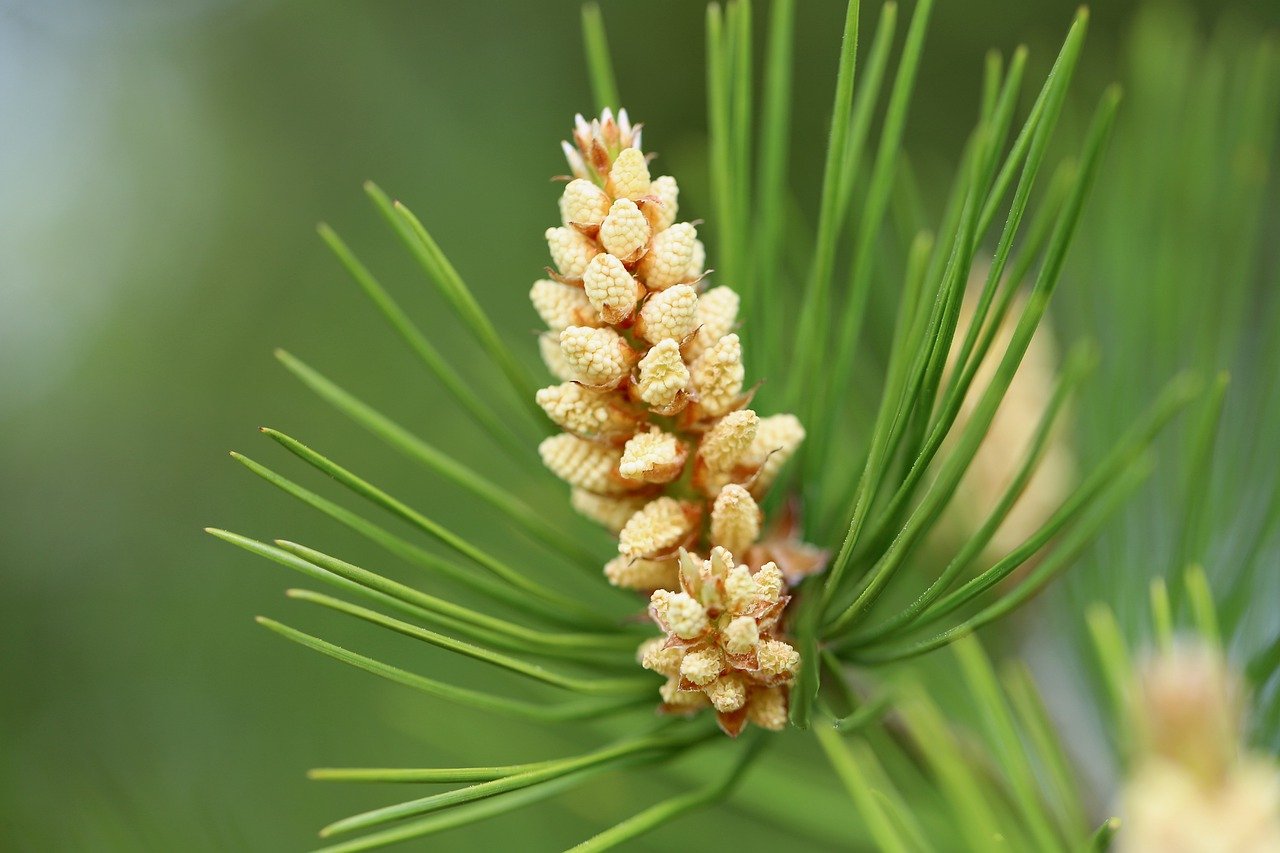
(162, 168)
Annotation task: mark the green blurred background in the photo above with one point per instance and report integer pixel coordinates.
(162, 167)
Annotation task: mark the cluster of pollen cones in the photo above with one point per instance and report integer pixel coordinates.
(658, 442)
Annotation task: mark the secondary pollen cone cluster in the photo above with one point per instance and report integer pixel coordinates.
(658, 443)
(721, 648)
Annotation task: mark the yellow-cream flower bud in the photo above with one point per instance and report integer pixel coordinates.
(671, 313)
(578, 409)
(610, 288)
(716, 316)
(720, 563)
(702, 667)
(659, 528)
(663, 214)
(1009, 435)
(690, 568)
(656, 657)
(583, 463)
(1189, 708)
(570, 251)
(717, 376)
(769, 582)
(1168, 810)
(663, 376)
(768, 709)
(706, 581)
(726, 443)
(735, 519)
(553, 357)
(778, 659)
(740, 589)
(741, 635)
(562, 305)
(610, 511)
(684, 616)
(583, 205)
(653, 457)
(667, 261)
(624, 232)
(641, 574)
(629, 175)
(1195, 788)
(599, 357)
(728, 693)
(777, 438)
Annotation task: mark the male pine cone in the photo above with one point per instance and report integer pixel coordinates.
(658, 443)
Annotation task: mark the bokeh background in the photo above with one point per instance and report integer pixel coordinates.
(162, 168)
